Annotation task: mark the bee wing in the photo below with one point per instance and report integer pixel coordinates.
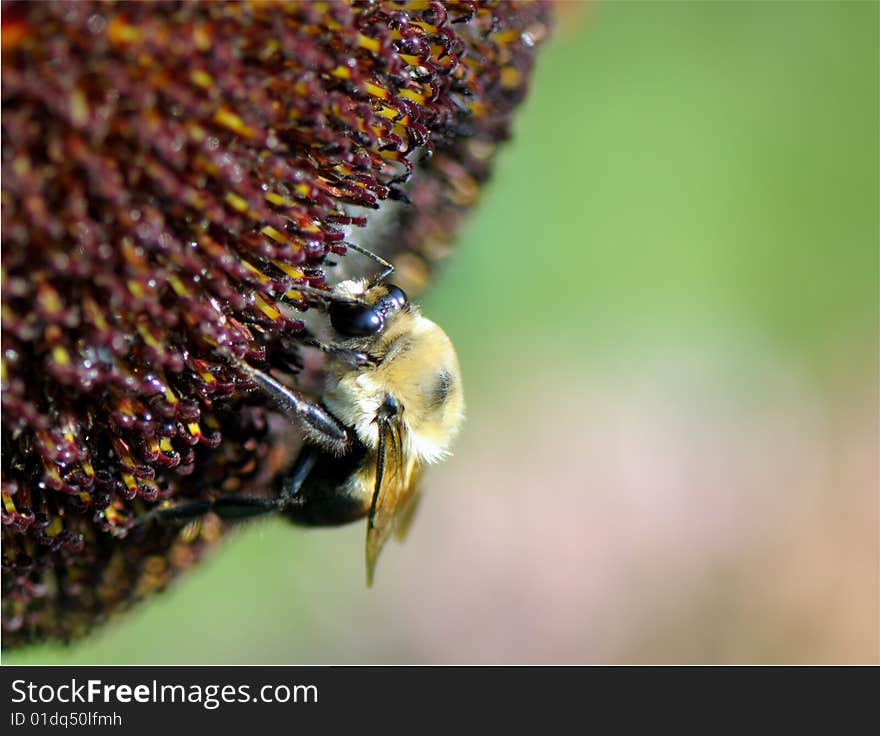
(406, 509)
(393, 495)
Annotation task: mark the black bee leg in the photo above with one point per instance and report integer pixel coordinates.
(323, 425)
(228, 508)
(308, 456)
(352, 357)
(244, 507)
(232, 507)
(181, 512)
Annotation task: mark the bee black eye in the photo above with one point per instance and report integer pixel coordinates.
(359, 320)
(394, 299)
(355, 320)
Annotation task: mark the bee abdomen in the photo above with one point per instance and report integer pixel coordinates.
(324, 500)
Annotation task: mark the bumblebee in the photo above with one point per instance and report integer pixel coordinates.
(392, 403)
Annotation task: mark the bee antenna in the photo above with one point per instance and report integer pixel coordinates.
(322, 293)
(388, 269)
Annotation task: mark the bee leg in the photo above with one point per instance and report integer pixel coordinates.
(181, 512)
(232, 507)
(321, 425)
(226, 507)
(308, 456)
(244, 507)
(352, 357)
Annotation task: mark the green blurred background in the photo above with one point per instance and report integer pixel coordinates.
(666, 311)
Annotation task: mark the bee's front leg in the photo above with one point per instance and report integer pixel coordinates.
(320, 426)
(353, 358)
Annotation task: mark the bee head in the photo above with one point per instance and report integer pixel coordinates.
(366, 316)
